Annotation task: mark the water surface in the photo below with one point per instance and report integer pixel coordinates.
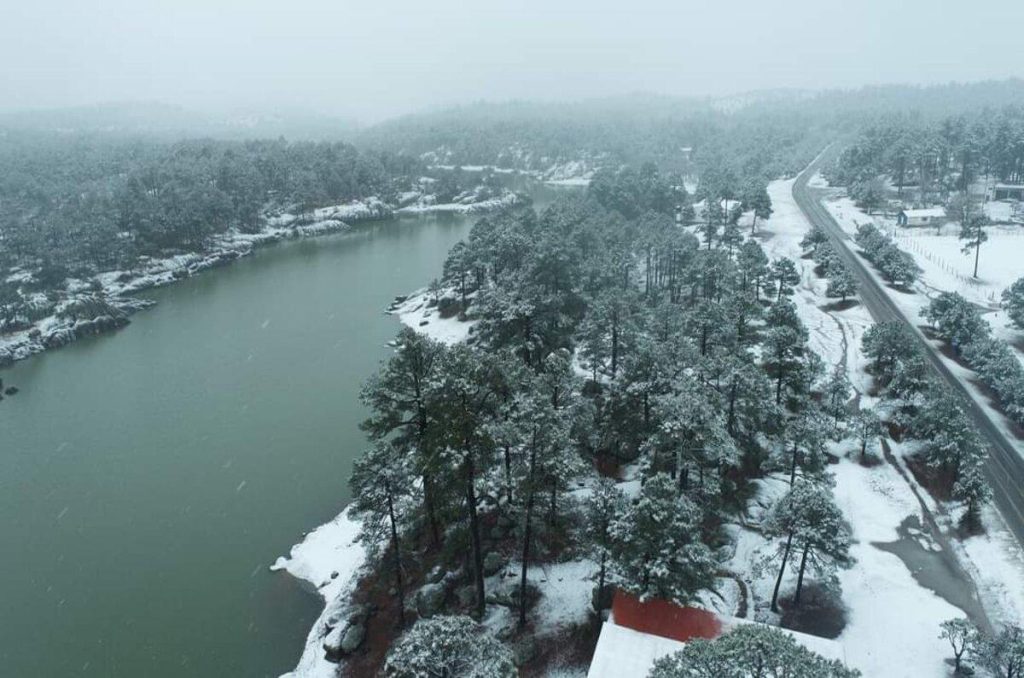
(149, 477)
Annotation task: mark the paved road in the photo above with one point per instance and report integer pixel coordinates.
(1005, 469)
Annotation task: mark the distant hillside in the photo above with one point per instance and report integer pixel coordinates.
(170, 122)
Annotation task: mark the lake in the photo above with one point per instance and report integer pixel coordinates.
(149, 477)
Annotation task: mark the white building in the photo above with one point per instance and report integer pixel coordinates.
(928, 216)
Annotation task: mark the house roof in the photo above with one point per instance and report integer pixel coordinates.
(665, 619)
(639, 633)
(925, 212)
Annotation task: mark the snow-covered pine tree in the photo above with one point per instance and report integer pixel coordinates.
(836, 395)
(656, 546)
(449, 647)
(465, 399)
(397, 399)
(1013, 302)
(382, 492)
(753, 266)
(809, 523)
(842, 283)
(602, 508)
(1003, 654)
(749, 651)
(783, 272)
(866, 427)
(956, 319)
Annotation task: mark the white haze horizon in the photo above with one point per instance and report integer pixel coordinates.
(370, 62)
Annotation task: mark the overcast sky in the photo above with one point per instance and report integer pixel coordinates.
(379, 58)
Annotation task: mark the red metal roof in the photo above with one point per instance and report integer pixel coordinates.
(665, 619)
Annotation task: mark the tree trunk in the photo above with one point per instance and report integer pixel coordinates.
(782, 571)
(396, 545)
(474, 529)
(792, 469)
(731, 422)
(428, 506)
(508, 473)
(800, 577)
(977, 251)
(615, 346)
(554, 500)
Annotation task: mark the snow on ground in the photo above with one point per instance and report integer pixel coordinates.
(833, 333)
(469, 206)
(417, 312)
(329, 558)
(565, 600)
(944, 268)
(884, 602)
(996, 563)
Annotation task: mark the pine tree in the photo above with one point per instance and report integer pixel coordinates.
(888, 344)
(812, 525)
(603, 507)
(466, 398)
(813, 239)
(973, 490)
(804, 442)
(692, 441)
(656, 546)
(785, 275)
(972, 225)
(749, 651)
(382, 488)
(1013, 302)
(866, 428)
(1002, 654)
(836, 395)
(956, 319)
(449, 647)
(542, 418)
(397, 399)
(842, 283)
(753, 266)
(757, 199)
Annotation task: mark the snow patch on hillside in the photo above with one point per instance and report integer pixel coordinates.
(417, 312)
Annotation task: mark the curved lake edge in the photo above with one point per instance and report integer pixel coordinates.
(330, 558)
(111, 306)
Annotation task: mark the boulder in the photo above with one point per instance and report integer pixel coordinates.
(358, 614)
(466, 596)
(492, 563)
(430, 600)
(524, 650)
(353, 638)
(332, 643)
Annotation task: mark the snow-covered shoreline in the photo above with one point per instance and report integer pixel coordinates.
(87, 308)
(330, 559)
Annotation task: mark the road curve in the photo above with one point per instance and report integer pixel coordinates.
(1005, 468)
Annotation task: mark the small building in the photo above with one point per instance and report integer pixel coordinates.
(639, 633)
(928, 216)
(1007, 192)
